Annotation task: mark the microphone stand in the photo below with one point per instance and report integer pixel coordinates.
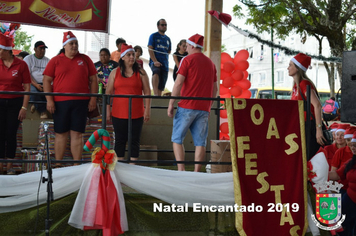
(49, 181)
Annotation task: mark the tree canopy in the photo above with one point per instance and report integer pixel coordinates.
(23, 41)
(332, 19)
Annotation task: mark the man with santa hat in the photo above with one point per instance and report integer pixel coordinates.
(196, 77)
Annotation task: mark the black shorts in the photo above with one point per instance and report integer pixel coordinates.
(162, 74)
(70, 115)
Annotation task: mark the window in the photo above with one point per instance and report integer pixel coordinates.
(250, 50)
(262, 78)
(280, 76)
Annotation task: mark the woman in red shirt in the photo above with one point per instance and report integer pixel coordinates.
(128, 79)
(297, 69)
(15, 76)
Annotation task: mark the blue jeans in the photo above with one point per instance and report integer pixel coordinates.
(42, 105)
(195, 120)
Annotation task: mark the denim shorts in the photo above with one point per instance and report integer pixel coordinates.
(195, 120)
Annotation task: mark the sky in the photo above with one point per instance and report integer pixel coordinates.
(135, 21)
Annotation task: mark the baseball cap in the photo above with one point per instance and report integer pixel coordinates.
(40, 44)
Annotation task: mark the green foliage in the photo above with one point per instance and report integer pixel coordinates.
(330, 19)
(223, 48)
(23, 41)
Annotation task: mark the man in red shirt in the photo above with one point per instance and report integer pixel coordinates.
(196, 78)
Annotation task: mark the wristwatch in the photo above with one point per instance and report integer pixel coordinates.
(319, 125)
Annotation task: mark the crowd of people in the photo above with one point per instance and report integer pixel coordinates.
(118, 73)
(341, 154)
(121, 73)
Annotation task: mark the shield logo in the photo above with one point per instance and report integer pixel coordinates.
(328, 208)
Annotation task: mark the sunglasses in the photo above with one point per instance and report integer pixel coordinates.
(163, 24)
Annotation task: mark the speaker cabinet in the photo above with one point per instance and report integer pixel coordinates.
(348, 87)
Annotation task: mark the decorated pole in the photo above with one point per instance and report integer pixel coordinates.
(95, 136)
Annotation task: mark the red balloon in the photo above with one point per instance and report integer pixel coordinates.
(224, 128)
(223, 74)
(225, 57)
(223, 113)
(244, 84)
(223, 136)
(245, 94)
(228, 66)
(236, 91)
(242, 65)
(224, 90)
(228, 82)
(237, 75)
(241, 55)
(245, 74)
(227, 95)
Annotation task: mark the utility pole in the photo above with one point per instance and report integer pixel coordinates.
(212, 33)
(272, 64)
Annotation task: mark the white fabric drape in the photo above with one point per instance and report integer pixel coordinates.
(175, 187)
(19, 192)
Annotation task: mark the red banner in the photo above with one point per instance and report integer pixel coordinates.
(79, 14)
(269, 166)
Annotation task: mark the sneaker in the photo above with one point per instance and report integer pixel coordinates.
(33, 108)
(11, 172)
(44, 115)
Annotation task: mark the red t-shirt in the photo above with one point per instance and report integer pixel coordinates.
(70, 75)
(13, 78)
(127, 86)
(330, 151)
(341, 156)
(350, 179)
(200, 75)
(303, 87)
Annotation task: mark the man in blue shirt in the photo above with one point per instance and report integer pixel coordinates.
(159, 47)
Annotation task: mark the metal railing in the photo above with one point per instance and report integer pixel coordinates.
(106, 100)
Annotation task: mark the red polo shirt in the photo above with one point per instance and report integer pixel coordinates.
(13, 78)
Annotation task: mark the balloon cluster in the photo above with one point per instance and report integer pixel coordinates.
(234, 83)
(9, 29)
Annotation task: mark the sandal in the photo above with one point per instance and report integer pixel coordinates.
(56, 166)
(11, 171)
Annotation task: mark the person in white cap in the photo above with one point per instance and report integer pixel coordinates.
(347, 172)
(196, 77)
(339, 141)
(297, 69)
(70, 72)
(15, 76)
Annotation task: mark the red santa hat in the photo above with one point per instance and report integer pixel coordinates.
(302, 61)
(342, 128)
(333, 127)
(353, 140)
(349, 132)
(125, 49)
(6, 42)
(196, 40)
(67, 37)
(222, 17)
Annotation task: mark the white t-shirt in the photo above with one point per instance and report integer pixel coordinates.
(36, 66)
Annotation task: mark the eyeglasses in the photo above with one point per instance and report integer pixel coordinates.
(163, 24)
